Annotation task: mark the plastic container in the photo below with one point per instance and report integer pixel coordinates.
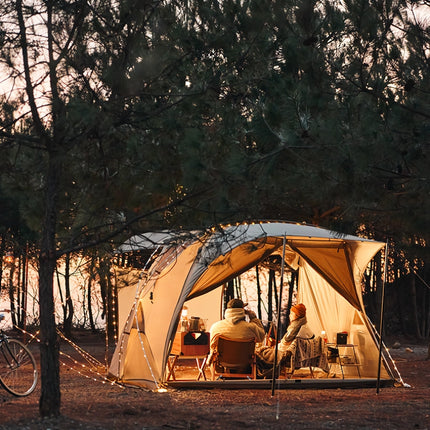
(184, 325)
(194, 324)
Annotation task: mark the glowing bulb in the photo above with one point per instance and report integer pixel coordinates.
(8, 258)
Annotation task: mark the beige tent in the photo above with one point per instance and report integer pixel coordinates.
(193, 268)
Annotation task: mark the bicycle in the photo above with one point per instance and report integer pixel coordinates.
(18, 371)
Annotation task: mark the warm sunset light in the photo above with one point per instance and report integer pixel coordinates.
(223, 201)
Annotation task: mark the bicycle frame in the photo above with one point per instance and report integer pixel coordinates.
(4, 344)
(18, 370)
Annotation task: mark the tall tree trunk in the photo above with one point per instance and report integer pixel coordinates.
(414, 306)
(92, 276)
(110, 300)
(398, 286)
(427, 315)
(91, 280)
(291, 287)
(237, 287)
(60, 292)
(257, 276)
(270, 297)
(13, 310)
(18, 292)
(275, 294)
(377, 296)
(49, 404)
(90, 308)
(424, 306)
(228, 292)
(67, 323)
(2, 250)
(50, 399)
(23, 291)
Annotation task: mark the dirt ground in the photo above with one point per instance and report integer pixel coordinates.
(88, 402)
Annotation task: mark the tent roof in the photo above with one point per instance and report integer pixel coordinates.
(151, 240)
(339, 258)
(239, 232)
(231, 249)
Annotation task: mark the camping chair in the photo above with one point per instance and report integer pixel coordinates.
(306, 353)
(233, 358)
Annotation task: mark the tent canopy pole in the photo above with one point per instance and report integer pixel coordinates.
(381, 317)
(278, 316)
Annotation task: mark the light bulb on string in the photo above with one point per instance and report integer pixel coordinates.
(9, 258)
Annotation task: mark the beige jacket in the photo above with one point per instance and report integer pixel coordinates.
(234, 325)
(298, 328)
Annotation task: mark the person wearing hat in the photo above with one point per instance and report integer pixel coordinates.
(298, 327)
(235, 325)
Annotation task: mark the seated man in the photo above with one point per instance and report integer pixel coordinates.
(298, 327)
(235, 326)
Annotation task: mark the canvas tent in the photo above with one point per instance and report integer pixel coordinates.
(192, 269)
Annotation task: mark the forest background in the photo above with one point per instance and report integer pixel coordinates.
(123, 117)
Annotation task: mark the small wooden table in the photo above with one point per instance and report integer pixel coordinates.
(186, 346)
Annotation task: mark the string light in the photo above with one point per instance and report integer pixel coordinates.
(387, 351)
(113, 308)
(146, 275)
(9, 258)
(89, 358)
(103, 381)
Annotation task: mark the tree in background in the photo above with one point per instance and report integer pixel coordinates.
(75, 135)
(123, 112)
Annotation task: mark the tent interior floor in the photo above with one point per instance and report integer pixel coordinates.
(186, 377)
(280, 384)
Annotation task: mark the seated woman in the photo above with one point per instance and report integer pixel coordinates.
(298, 327)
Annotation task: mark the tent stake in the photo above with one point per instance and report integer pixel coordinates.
(381, 318)
(278, 317)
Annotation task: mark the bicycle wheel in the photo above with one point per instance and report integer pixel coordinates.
(18, 372)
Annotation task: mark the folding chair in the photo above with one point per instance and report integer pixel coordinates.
(308, 353)
(234, 358)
